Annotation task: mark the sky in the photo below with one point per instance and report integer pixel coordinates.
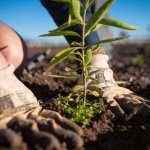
(30, 19)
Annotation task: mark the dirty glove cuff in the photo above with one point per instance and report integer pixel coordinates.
(101, 72)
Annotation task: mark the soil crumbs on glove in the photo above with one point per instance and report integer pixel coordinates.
(105, 132)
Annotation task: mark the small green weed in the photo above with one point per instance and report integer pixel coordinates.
(138, 59)
(79, 111)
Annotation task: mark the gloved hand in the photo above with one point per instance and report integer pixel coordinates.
(20, 112)
(15, 98)
(123, 100)
(120, 100)
(47, 130)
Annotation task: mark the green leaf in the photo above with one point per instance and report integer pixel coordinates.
(75, 58)
(96, 27)
(67, 69)
(117, 23)
(63, 76)
(76, 44)
(88, 56)
(62, 55)
(108, 40)
(62, 1)
(97, 16)
(76, 9)
(94, 85)
(60, 33)
(89, 3)
(96, 48)
(94, 93)
(77, 88)
(67, 25)
(90, 78)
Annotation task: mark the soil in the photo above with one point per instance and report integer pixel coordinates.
(106, 132)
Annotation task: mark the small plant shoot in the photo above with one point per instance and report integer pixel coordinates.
(82, 109)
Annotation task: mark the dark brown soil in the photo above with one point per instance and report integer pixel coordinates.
(136, 76)
(105, 132)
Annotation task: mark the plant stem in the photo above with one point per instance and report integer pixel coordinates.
(83, 52)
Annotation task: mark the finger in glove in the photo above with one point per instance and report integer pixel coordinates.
(131, 103)
(11, 140)
(62, 121)
(139, 98)
(32, 135)
(114, 106)
(72, 139)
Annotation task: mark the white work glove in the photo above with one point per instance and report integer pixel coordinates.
(20, 112)
(120, 100)
(14, 96)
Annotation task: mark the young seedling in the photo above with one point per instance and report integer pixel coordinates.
(81, 52)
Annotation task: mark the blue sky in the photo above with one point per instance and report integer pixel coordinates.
(30, 19)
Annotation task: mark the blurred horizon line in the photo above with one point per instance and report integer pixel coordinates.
(52, 41)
